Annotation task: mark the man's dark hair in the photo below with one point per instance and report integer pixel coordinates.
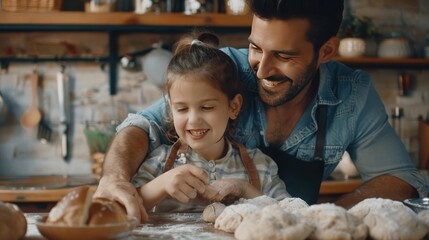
(325, 16)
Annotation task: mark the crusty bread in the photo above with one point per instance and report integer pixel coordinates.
(104, 211)
(72, 210)
(78, 208)
(13, 225)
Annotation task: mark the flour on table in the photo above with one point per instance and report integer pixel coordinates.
(333, 222)
(233, 215)
(292, 204)
(273, 223)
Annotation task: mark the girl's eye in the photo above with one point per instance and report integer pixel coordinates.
(207, 108)
(181, 109)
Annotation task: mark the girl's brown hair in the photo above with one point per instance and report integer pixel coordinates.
(197, 54)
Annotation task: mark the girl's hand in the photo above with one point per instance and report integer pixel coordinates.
(183, 183)
(229, 190)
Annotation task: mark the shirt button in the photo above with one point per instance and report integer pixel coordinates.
(211, 163)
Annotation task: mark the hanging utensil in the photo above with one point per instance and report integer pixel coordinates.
(32, 115)
(63, 116)
(44, 130)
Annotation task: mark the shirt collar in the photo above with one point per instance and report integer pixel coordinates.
(325, 94)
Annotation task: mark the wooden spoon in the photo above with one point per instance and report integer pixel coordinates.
(32, 116)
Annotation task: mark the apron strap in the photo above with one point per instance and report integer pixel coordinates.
(250, 167)
(178, 148)
(321, 118)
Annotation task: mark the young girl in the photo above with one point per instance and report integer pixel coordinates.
(204, 100)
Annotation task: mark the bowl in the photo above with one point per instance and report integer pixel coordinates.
(99, 232)
(417, 204)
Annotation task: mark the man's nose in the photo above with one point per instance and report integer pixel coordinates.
(264, 67)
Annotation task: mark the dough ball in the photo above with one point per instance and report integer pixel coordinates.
(391, 223)
(292, 204)
(103, 211)
(13, 225)
(333, 222)
(72, 210)
(233, 215)
(260, 201)
(273, 223)
(424, 217)
(363, 208)
(212, 211)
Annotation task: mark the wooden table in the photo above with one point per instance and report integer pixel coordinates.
(160, 226)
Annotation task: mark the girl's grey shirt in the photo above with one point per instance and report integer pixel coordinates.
(357, 123)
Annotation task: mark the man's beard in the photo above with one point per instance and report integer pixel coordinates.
(276, 98)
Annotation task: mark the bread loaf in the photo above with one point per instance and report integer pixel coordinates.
(78, 208)
(13, 225)
(103, 211)
(72, 210)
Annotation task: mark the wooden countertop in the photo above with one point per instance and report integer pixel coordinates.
(160, 226)
(340, 186)
(54, 195)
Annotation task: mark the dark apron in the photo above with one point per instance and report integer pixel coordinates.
(303, 178)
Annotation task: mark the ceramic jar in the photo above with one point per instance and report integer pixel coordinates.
(351, 47)
(394, 48)
(236, 7)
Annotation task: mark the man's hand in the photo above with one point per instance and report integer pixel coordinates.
(123, 192)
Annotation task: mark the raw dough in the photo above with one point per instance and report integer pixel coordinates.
(233, 215)
(333, 222)
(260, 201)
(273, 223)
(13, 225)
(388, 219)
(363, 208)
(293, 204)
(212, 211)
(424, 217)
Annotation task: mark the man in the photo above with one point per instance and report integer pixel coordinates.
(300, 108)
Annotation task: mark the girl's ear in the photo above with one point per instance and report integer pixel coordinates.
(328, 50)
(235, 106)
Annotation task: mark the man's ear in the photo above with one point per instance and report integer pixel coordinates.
(329, 49)
(235, 106)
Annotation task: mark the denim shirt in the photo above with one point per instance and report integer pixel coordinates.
(357, 123)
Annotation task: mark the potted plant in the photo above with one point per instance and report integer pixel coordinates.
(355, 33)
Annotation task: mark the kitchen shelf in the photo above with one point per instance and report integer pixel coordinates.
(121, 19)
(115, 24)
(373, 62)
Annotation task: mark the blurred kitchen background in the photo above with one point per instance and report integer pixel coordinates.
(78, 113)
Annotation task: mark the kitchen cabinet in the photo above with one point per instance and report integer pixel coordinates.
(114, 24)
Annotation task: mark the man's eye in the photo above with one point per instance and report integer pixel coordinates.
(284, 56)
(253, 47)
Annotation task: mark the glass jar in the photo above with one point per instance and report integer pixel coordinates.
(97, 6)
